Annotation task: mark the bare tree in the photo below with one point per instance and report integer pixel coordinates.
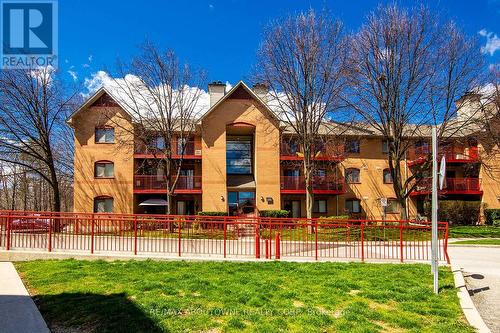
(302, 60)
(407, 71)
(162, 98)
(33, 106)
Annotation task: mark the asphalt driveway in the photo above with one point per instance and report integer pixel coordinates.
(481, 267)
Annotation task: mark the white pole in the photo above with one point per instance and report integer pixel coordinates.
(434, 210)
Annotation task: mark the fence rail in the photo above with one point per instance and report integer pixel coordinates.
(221, 236)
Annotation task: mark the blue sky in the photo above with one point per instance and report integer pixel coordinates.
(220, 36)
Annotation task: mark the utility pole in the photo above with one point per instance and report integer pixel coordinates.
(434, 243)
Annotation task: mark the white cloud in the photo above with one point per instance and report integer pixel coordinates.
(73, 75)
(43, 74)
(118, 87)
(211, 6)
(492, 42)
(90, 58)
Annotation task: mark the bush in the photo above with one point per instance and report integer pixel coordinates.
(278, 213)
(339, 217)
(212, 213)
(456, 212)
(492, 217)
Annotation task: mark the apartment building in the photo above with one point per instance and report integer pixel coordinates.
(242, 160)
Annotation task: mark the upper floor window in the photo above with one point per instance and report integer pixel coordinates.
(104, 169)
(159, 142)
(104, 135)
(352, 175)
(353, 206)
(319, 206)
(392, 206)
(385, 146)
(352, 146)
(185, 146)
(321, 173)
(239, 155)
(387, 176)
(103, 204)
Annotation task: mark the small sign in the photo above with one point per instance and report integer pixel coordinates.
(442, 173)
(383, 202)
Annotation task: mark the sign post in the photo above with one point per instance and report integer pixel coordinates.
(434, 243)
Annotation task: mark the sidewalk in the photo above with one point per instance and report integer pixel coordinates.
(18, 312)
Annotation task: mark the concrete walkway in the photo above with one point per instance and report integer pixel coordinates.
(481, 267)
(18, 312)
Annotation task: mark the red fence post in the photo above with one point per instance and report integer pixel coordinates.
(267, 248)
(135, 234)
(362, 242)
(316, 240)
(179, 225)
(8, 231)
(401, 240)
(92, 234)
(50, 235)
(225, 235)
(446, 243)
(257, 240)
(277, 241)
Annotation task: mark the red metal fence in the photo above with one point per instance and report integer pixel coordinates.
(451, 186)
(153, 182)
(219, 237)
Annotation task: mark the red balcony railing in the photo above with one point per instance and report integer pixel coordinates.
(153, 183)
(327, 185)
(452, 186)
(328, 152)
(453, 154)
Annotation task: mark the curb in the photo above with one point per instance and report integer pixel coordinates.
(468, 307)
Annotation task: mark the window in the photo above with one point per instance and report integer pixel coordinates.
(353, 206)
(320, 173)
(319, 206)
(352, 176)
(104, 135)
(182, 146)
(239, 155)
(352, 146)
(291, 172)
(385, 146)
(387, 176)
(103, 204)
(104, 169)
(392, 206)
(159, 143)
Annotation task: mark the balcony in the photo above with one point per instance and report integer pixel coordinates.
(452, 186)
(158, 184)
(327, 153)
(453, 154)
(321, 185)
(192, 150)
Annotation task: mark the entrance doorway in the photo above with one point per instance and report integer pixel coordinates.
(293, 206)
(185, 207)
(241, 203)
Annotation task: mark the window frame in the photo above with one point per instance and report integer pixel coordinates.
(352, 182)
(248, 140)
(347, 146)
(316, 207)
(385, 144)
(104, 162)
(104, 197)
(97, 128)
(350, 201)
(383, 176)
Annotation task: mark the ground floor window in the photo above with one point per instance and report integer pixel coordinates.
(103, 205)
(319, 206)
(352, 206)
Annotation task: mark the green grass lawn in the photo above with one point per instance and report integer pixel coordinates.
(481, 231)
(149, 296)
(479, 241)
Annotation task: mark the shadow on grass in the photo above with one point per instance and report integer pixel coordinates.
(86, 312)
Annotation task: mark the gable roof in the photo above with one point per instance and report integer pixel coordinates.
(226, 96)
(91, 100)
